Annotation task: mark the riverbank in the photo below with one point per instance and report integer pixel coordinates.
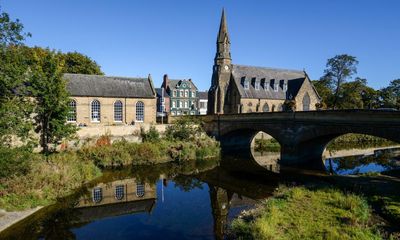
(329, 207)
(31, 179)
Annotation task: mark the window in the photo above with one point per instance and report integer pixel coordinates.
(186, 93)
(186, 104)
(72, 111)
(266, 86)
(266, 107)
(140, 189)
(174, 93)
(97, 195)
(193, 93)
(181, 93)
(202, 105)
(276, 87)
(119, 192)
(173, 104)
(257, 85)
(179, 104)
(140, 111)
(118, 111)
(95, 114)
(246, 85)
(306, 102)
(280, 107)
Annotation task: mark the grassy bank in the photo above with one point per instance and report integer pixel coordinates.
(351, 140)
(30, 179)
(267, 145)
(300, 213)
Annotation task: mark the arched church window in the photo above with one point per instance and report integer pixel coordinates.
(140, 189)
(97, 195)
(273, 108)
(118, 111)
(72, 111)
(95, 111)
(280, 107)
(140, 111)
(306, 102)
(266, 107)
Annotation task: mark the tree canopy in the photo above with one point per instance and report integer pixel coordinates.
(75, 62)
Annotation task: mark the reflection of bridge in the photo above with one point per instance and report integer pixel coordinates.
(303, 136)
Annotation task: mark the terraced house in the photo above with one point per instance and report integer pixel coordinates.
(183, 96)
(104, 100)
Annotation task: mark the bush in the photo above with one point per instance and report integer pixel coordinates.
(152, 135)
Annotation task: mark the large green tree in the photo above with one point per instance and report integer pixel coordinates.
(51, 96)
(390, 95)
(15, 108)
(338, 70)
(75, 62)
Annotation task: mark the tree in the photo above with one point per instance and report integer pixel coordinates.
(15, 108)
(338, 70)
(323, 88)
(390, 96)
(11, 32)
(51, 96)
(75, 62)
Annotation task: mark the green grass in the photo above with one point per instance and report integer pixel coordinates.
(300, 213)
(352, 140)
(267, 145)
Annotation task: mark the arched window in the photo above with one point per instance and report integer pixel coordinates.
(95, 111)
(140, 189)
(140, 111)
(119, 192)
(72, 111)
(280, 107)
(118, 111)
(97, 195)
(306, 102)
(273, 108)
(266, 107)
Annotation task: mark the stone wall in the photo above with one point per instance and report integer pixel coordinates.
(107, 110)
(306, 88)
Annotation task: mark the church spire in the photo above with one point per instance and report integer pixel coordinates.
(223, 36)
(223, 54)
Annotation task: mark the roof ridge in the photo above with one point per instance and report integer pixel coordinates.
(270, 68)
(105, 76)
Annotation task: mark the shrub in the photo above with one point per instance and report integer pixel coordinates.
(152, 135)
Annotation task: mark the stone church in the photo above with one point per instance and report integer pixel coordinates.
(244, 89)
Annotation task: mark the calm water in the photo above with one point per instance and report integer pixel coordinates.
(191, 201)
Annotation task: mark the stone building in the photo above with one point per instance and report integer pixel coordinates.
(183, 96)
(102, 100)
(243, 89)
(203, 101)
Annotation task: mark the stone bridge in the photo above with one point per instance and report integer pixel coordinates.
(303, 136)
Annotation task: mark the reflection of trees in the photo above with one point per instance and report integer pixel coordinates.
(186, 183)
(352, 162)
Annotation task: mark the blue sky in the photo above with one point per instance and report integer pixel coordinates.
(135, 38)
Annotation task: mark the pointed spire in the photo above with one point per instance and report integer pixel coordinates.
(223, 29)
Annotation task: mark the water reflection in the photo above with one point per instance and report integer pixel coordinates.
(193, 200)
(358, 161)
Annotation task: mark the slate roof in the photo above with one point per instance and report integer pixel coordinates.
(105, 86)
(172, 83)
(158, 91)
(203, 95)
(293, 78)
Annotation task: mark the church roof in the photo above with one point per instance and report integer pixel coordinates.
(293, 78)
(105, 86)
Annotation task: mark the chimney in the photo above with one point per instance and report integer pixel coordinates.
(165, 82)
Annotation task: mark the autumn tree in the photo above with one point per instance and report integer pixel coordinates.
(51, 96)
(75, 62)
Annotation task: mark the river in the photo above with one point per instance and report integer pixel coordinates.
(180, 201)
